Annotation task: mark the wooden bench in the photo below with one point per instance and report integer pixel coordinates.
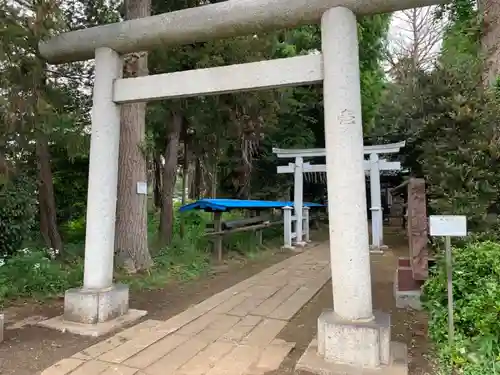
(218, 229)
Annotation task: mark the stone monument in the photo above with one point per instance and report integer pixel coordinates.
(413, 270)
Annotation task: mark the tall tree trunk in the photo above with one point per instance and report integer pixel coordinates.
(169, 177)
(214, 181)
(47, 201)
(214, 176)
(157, 180)
(131, 245)
(196, 180)
(490, 11)
(4, 169)
(185, 174)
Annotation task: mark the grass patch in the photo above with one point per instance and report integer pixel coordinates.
(35, 273)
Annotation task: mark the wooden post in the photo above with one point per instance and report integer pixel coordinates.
(218, 238)
(258, 232)
(258, 236)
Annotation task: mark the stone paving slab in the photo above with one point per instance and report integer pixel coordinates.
(231, 333)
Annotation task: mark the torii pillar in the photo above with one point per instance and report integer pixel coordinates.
(351, 336)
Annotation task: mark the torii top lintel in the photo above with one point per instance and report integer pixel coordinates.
(388, 148)
(220, 20)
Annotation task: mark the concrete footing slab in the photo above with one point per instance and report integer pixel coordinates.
(94, 312)
(95, 330)
(312, 362)
(408, 300)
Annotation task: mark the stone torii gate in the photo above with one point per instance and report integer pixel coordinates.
(352, 334)
(374, 166)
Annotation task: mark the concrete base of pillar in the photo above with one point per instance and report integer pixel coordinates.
(378, 250)
(95, 306)
(345, 347)
(314, 363)
(2, 319)
(365, 344)
(94, 312)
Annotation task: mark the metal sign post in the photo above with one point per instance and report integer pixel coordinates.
(448, 226)
(449, 276)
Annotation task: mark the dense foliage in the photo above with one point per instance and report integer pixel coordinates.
(17, 214)
(449, 118)
(476, 290)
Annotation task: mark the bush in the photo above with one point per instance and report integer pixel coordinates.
(17, 214)
(476, 293)
(33, 273)
(73, 231)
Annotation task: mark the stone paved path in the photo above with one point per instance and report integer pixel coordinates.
(231, 333)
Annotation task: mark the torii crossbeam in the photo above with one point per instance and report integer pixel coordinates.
(352, 335)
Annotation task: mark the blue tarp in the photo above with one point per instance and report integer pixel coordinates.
(232, 204)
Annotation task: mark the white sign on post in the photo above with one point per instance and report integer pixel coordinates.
(142, 188)
(448, 226)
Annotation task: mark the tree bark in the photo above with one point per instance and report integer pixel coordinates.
(490, 11)
(169, 177)
(4, 167)
(214, 182)
(47, 201)
(195, 182)
(157, 180)
(131, 245)
(185, 174)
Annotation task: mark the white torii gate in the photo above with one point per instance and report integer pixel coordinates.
(351, 334)
(374, 166)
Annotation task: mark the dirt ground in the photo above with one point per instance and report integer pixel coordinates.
(28, 349)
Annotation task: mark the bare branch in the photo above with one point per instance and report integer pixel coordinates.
(415, 41)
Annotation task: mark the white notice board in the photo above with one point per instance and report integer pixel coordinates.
(448, 225)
